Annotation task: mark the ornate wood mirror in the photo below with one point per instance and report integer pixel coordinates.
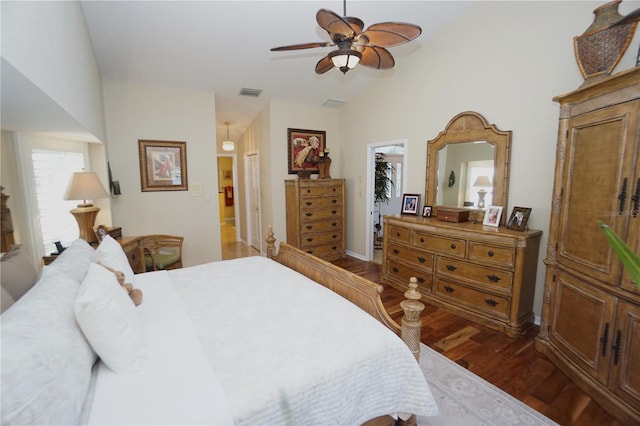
(468, 164)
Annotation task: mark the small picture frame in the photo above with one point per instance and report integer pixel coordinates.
(410, 204)
(426, 211)
(492, 216)
(519, 218)
(100, 231)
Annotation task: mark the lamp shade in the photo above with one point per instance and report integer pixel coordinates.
(345, 59)
(482, 181)
(228, 146)
(85, 186)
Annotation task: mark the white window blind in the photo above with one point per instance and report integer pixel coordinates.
(52, 170)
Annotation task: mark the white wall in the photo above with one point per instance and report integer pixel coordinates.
(49, 43)
(505, 60)
(136, 112)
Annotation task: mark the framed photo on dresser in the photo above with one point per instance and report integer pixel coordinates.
(492, 216)
(410, 204)
(518, 219)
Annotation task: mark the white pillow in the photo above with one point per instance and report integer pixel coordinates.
(110, 253)
(109, 320)
(46, 360)
(74, 260)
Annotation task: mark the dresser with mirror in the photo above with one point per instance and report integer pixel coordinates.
(484, 273)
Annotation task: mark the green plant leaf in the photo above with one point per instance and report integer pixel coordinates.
(629, 259)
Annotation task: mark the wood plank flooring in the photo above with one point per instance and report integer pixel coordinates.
(512, 364)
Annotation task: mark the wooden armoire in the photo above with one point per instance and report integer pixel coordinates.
(590, 324)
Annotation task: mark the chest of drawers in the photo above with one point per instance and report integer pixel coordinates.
(481, 273)
(315, 216)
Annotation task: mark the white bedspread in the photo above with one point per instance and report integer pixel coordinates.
(176, 385)
(288, 351)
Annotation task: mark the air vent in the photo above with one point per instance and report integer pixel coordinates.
(245, 91)
(334, 103)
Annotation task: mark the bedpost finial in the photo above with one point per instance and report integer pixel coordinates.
(271, 243)
(411, 324)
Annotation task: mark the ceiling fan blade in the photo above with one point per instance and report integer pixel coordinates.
(301, 46)
(388, 34)
(324, 65)
(334, 24)
(377, 57)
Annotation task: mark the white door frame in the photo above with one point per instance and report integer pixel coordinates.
(371, 150)
(234, 177)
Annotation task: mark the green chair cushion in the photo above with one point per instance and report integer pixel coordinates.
(162, 260)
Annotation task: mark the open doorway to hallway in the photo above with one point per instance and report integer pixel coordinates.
(229, 232)
(392, 153)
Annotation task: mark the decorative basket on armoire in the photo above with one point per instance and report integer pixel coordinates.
(599, 49)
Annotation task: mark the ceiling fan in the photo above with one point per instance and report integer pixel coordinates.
(355, 46)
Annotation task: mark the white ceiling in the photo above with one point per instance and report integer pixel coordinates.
(223, 46)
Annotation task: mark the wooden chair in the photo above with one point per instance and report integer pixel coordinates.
(161, 252)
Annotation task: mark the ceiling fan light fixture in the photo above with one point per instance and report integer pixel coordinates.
(345, 59)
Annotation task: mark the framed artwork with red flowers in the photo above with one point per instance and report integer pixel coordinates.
(163, 165)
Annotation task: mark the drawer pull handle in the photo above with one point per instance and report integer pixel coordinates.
(616, 348)
(309, 203)
(334, 211)
(453, 246)
(449, 289)
(397, 234)
(605, 339)
(334, 201)
(394, 269)
(308, 191)
(308, 214)
(334, 236)
(491, 253)
(396, 251)
(334, 189)
(334, 248)
(494, 278)
(451, 268)
(334, 224)
(309, 239)
(491, 302)
(310, 251)
(421, 280)
(309, 226)
(422, 259)
(422, 239)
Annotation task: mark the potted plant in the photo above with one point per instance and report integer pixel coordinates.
(629, 259)
(382, 188)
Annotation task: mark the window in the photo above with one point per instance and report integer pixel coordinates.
(47, 168)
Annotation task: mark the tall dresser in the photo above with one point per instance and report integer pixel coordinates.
(591, 313)
(316, 216)
(482, 273)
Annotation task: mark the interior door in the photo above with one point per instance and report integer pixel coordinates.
(253, 168)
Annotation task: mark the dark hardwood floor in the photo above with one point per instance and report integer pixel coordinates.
(512, 364)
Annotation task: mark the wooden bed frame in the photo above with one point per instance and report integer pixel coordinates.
(360, 291)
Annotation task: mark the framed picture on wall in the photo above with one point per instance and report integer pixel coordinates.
(304, 148)
(163, 165)
(410, 203)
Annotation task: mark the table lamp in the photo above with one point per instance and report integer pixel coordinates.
(482, 182)
(85, 186)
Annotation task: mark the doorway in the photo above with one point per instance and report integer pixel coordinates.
(394, 153)
(229, 225)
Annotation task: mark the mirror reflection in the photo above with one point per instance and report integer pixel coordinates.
(465, 174)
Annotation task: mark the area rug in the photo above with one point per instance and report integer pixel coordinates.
(465, 399)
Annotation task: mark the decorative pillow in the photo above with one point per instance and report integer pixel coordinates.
(74, 260)
(18, 273)
(46, 360)
(110, 253)
(109, 320)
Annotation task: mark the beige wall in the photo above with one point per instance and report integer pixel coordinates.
(136, 112)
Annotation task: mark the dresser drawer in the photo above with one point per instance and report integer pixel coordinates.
(449, 246)
(416, 258)
(330, 251)
(314, 214)
(487, 277)
(319, 203)
(399, 234)
(491, 304)
(327, 225)
(401, 272)
(310, 240)
(495, 255)
(320, 191)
